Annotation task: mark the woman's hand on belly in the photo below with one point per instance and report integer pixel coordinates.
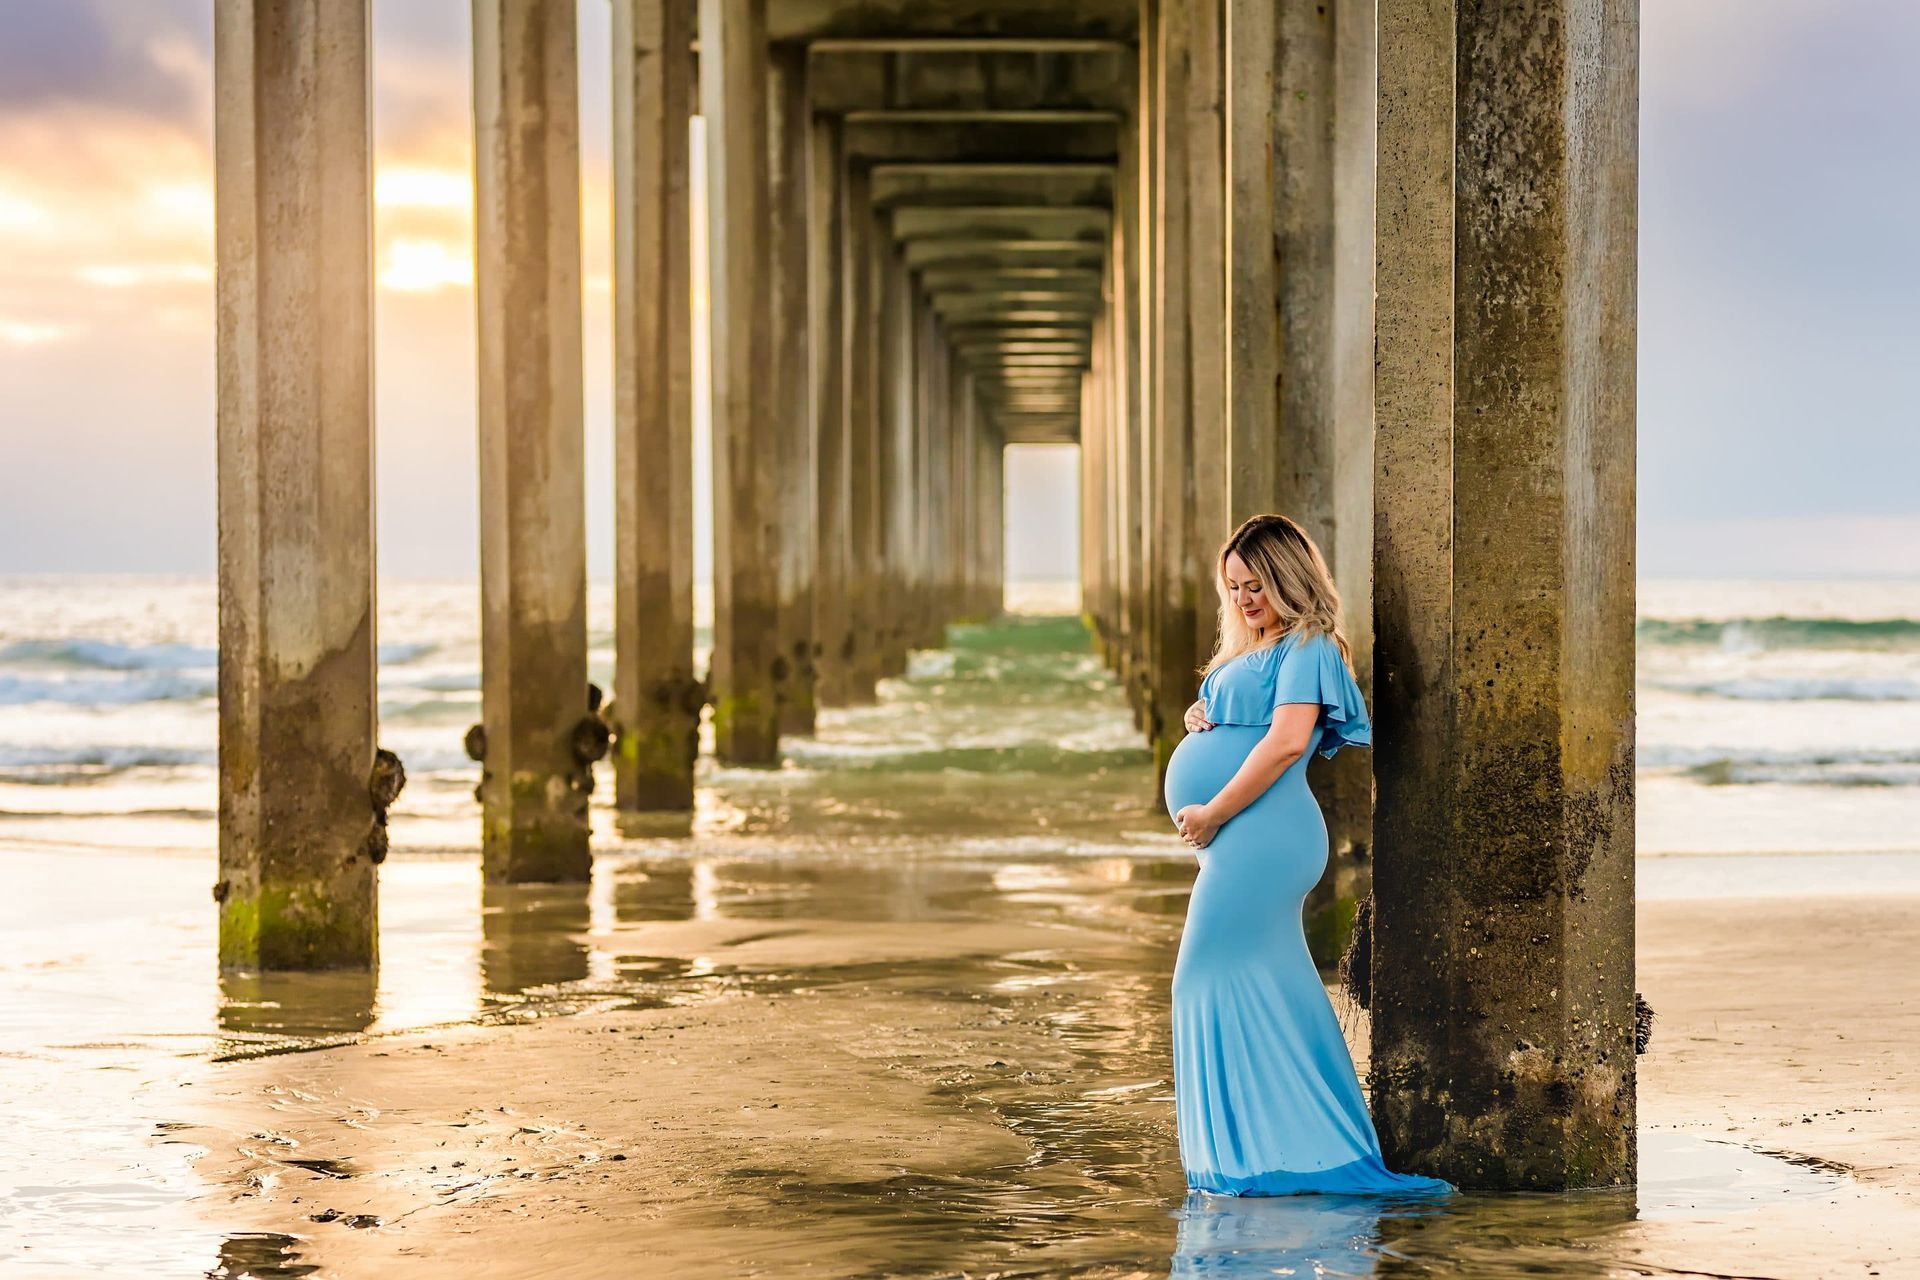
(1196, 717)
(1197, 823)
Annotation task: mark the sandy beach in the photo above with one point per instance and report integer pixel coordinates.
(885, 1115)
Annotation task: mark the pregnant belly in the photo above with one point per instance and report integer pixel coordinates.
(1206, 761)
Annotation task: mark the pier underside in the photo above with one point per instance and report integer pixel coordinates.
(1369, 264)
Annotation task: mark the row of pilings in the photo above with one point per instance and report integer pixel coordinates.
(1369, 265)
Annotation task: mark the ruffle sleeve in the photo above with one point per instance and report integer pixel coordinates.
(1313, 671)
(1240, 691)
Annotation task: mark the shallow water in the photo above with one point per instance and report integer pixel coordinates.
(1000, 782)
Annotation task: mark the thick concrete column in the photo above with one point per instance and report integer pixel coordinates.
(1502, 969)
(860, 342)
(300, 830)
(734, 78)
(1182, 593)
(1299, 127)
(895, 371)
(1203, 115)
(656, 696)
(996, 522)
(833, 617)
(791, 417)
(1128, 345)
(540, 741)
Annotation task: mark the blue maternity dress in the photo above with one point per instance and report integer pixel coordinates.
(1266, 1098)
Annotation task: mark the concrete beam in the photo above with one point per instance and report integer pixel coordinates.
(961, 280)
(978, 184)
(828, 45)
(540, 740)
(997, 222)
(981, 141)
(656, 695)
(999, 24)
(958, 77)
(300, 831)
(1002, 251)
(983, 115)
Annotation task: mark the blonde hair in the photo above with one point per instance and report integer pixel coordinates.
(1294, 579)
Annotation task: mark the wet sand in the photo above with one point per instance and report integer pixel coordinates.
(899, 1007)
(916, 1100)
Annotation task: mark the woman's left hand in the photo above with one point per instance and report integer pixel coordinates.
(1197, 825)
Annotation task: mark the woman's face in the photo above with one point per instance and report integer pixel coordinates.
(1247, 592)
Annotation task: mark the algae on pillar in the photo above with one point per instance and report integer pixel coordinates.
(539, 736)
(744, 669)
(1503, 920)
(301, 825)
(656, 696)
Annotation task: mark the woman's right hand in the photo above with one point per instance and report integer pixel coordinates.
(1196, 717)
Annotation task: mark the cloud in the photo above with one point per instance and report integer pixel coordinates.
(105, 55)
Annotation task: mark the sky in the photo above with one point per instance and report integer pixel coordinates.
(1778, 270)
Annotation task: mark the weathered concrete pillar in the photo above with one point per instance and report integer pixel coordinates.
(1299, 125)
(1502, 971)
(1138, 201)
(1203, 114)
(1130, 388)
(923, 501)
(861, 254)
(833, 570)
(996, 522)
(300, 830)
(1183, 594)
(895, 369)
(792, 418)
(540, 739)
(656, 696)
(734, 77)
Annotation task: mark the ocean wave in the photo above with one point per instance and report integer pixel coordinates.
(1780, 632)
(176, 686)
(107, 655)
(1799, 689)
(1844, 767)
(54, 765)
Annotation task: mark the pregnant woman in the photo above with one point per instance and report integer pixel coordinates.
(1266, 1098)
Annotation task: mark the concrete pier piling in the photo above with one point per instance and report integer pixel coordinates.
(1153, 229)
(1300, 369)
(1503, 1004)
(538, 740)
(836, 632)
(655, 713)
(747, 666)
(301, 831)
(792, 423)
